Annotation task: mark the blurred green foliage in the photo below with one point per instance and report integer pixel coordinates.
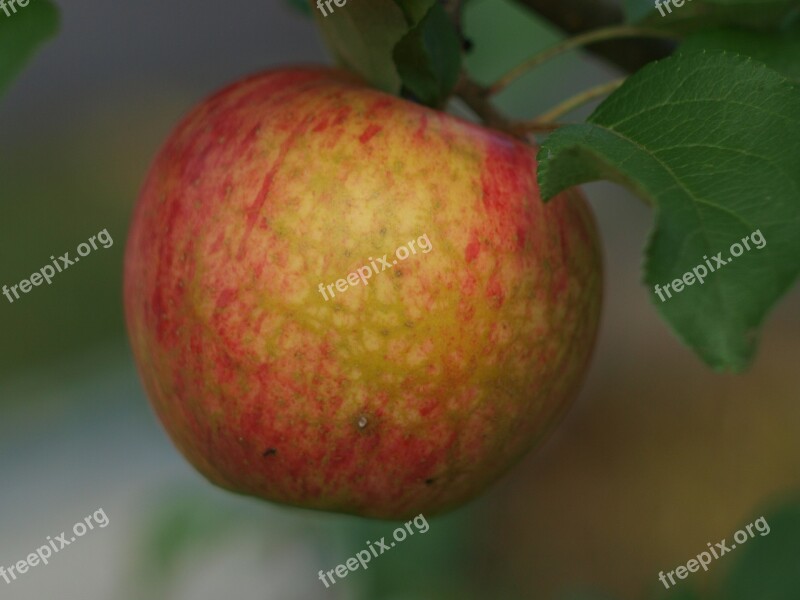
(183, 526)
(768, 567)
(21, 33)
(50, 213)
(94, 173)
(444, 562)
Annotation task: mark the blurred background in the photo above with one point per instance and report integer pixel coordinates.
(658, 456)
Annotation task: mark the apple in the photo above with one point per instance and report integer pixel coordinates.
(408, 392)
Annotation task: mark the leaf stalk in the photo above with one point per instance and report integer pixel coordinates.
(590, 37)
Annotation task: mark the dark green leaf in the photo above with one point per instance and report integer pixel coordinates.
(712, 140)
(396, 44)
(21, 33)
(428, 58)
(766, 567)
(362, 35)
(415, 10)
(779, 50)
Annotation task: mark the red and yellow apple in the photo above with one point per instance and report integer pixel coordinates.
(406, 395)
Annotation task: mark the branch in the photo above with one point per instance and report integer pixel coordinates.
(578, 16)
(454, 9)
(584, 39)
(567, 106)
(477, 98)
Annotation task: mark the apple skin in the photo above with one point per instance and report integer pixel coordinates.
(409, 395)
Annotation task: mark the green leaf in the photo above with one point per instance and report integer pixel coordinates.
(428, 58)
(396, 44)
(696, 14)
(415, 10)
(712, 140)
(362, 35)
(766, 566)
(432, 556)
(22, 33)
(779, 50)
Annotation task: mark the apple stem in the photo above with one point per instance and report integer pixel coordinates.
(573, 17)
(476, 97)
(571, 104)
(590, 37)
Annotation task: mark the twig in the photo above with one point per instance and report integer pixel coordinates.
(454, 10)
(571, 104)
(590, 37)
(476, 97)
(578, 16)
